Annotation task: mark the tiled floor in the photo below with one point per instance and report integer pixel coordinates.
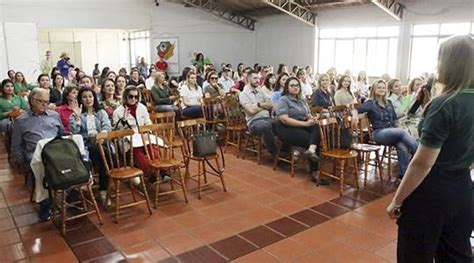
(266, 216)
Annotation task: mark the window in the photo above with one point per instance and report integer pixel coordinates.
(139, 47)
(425, 44)
(372, 49)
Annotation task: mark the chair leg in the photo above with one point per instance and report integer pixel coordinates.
(366, 166)
(204, 172)
(157, 190)
(83, 198)
(117, 199)
(259, 150)
(221, 175)
(64, 215)
(356, 172)
(239, 144)
(199, 178)
(226, 142)
(94, 204)
(390, 161)
(183, 185)
(292, 162)
(145, 192)
(378, 164)
(275, 161)
(132, 190)
(341, 178)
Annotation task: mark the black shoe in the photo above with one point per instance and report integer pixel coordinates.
(44, 212)
(311, 155)
(321, 181)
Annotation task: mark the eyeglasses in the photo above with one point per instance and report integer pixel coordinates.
(44, 102)
(133, 97)
(294, 85)
(213, 78)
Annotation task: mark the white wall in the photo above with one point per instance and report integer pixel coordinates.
(284, 39)
(198, 31)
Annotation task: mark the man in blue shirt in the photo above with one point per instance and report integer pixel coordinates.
(64, 64)
(37, 124)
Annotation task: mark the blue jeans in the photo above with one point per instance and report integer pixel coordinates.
(192, 111)
(264, 127)
(405, 144)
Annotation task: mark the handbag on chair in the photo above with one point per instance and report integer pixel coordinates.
(204, 145)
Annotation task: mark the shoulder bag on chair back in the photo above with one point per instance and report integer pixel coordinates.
(345, 136)
(63, 164)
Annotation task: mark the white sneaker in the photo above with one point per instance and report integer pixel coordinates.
(136, 181)
(103, 199)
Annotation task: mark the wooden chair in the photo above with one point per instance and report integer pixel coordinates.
(213, 111)
(366, 150)
(186, 129)
(254, 144)
(120, 167)
(330, 145)
(8, 134)
(164, 118)
(388, 152)
(339, 111)
(235, 123)
(165, 160)
(148, 98)
(289, 159)
(59, 205)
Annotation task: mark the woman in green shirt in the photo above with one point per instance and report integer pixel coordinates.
(434, 201)
(9, 103)
(21, 87)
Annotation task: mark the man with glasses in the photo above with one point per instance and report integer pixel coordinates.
(257, 111)
(36, 124)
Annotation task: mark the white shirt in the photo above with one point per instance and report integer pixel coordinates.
(306, 89)
(192, 96)
(91, 129)
(149, 82)
(227, 83)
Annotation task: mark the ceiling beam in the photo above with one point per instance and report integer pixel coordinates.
(216, 9)
(391, 7)
(294, 9)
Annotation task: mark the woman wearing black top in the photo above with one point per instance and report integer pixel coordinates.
(56, 90)
(434, 201)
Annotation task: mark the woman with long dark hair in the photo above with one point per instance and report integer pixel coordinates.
(279, 86)
(69, 99)
(9, 103)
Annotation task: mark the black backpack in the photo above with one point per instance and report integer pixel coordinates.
(63, 164)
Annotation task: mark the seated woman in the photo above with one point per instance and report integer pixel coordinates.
(56, 90)
(21, 87)
(69, 101)
(279, 85)
(120, 84)
(214, 89)
(296, 126)
(109, 101)
(136, 80)
(322, 96)
(269, 85)
(163, 95)
(343, 95)
(132, 114)
(383, 117)
(9, 103)
(396, 98)
(192, 97)
(88, 120)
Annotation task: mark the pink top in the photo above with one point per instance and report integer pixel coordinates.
(64, 114)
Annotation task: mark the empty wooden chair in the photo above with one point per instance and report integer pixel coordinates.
(330, 143)
(165, 118)
(120, 167)
(186, 129)
(165, 160)
(148, 98)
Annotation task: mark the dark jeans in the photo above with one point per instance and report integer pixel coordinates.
(264, 127)
(192, 112)
(301, 137)
(435, 220)
(98, 163)
(166, 108)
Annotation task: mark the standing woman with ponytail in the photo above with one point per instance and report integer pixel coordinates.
(433, 202)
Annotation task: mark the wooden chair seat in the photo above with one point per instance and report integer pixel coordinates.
(125, 173)
(157, 163)
(340, 154)
(363, 147)
(241, 127)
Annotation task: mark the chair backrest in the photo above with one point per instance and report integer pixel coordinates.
(15, 114)
(234, 114)
(116, 142)
(364, 127)
(339, 111)
(163, 117)
(329, 133)
(213, 110)
(150, 135)
(148, 98)
(187, 128)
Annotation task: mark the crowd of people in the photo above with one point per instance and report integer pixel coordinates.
(276, 105)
